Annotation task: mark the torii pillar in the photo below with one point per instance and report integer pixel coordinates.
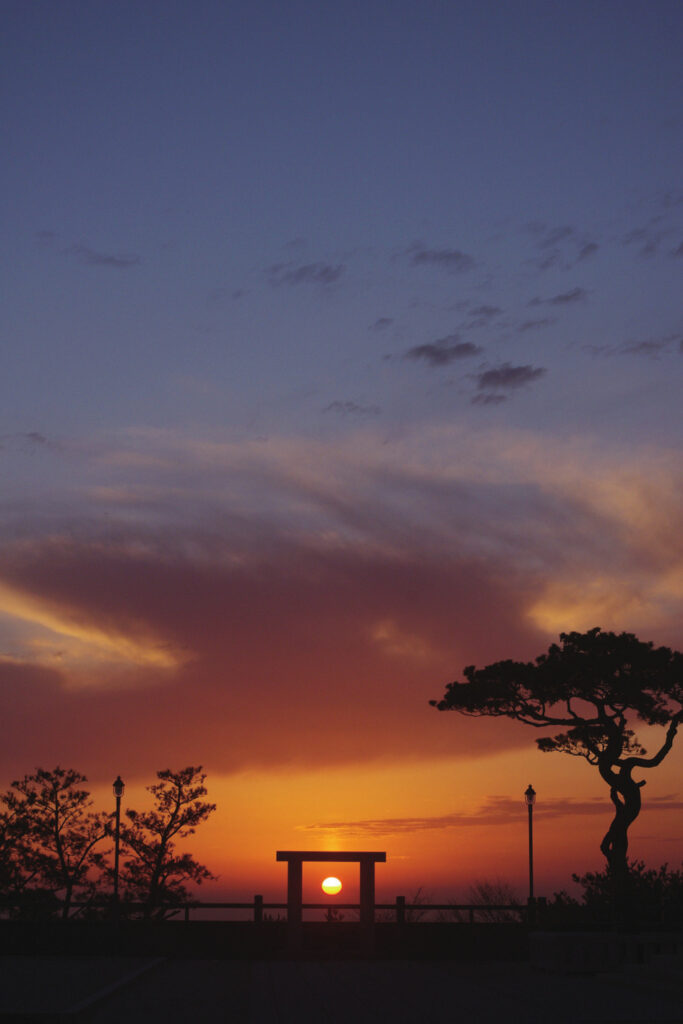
(295, 860)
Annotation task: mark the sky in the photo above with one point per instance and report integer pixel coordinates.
(341, 349)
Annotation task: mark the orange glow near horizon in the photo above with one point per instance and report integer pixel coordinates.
(444, 824)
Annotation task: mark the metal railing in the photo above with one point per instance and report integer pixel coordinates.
(401, 911)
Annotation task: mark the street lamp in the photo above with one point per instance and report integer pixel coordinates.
(118, 793)
(530, 797)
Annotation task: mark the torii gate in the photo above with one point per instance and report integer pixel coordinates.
(295, 859)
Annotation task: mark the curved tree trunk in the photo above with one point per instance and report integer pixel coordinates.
(625, 794)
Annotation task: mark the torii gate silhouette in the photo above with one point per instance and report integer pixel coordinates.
(295, 860)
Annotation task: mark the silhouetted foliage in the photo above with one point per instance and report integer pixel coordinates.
(155, 873)
(592, 686)
(655, 895)
(17, 870)
(488, 896)
(415, 909)
(49, 835)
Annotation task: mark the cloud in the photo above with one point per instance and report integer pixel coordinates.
(587, 250)
(644, 348)
(479, 316)
(508, 377)
(443, 351)
(381, 324)
(485, 311)
(327, 641)
(29, 441)
(452, 260)
(561, 246)
(347, 408)
(551, 236)
(563, 299)
(194, 593)
(498, 810)
(488, 398)
(648, 238)
(650, 347)
(305, 273)
(575, 295)
(534, 325)
(93, 258)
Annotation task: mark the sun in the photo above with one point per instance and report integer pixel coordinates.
(331, 886)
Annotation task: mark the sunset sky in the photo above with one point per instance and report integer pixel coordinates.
(341, 348)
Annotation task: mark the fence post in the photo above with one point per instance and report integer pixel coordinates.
(400, 910)
(471, 915)
(187, 911)
(258, 909)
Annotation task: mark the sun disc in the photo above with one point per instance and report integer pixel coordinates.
(331, 886)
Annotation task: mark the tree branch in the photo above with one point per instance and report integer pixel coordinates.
(652, 762)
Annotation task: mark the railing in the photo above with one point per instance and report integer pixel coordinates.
(401, 911)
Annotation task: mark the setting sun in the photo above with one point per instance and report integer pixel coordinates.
(331, 886)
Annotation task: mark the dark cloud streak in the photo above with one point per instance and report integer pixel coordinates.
(507, 377)
(444, 351)
(499, 810)
(306, 273)
(93, 258)
(452, 260)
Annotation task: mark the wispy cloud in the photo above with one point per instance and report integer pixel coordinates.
(562, 246)
(305, 273)
(562, 299)
(498, 810)
(507, 377)
(382, 323)
(452, 260)
(587, 250)
(94, 258)
(383, 561)
(652, 348)
(485, 311)
(28, 441)
(347, 408)
(443, 351)
(550, 237)
(488, 398)
(647, 239)
(535, 325)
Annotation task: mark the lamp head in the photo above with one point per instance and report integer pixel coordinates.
(119, 787)
(530, 795)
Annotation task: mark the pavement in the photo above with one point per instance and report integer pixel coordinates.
(104, 990)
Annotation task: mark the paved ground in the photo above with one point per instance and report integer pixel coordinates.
(106, 990)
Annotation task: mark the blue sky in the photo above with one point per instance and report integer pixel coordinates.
(166, 157)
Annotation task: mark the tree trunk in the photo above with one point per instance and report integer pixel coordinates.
(66, 907)
(625, 794)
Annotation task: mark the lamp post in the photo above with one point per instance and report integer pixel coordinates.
(118, 793)
(530, 797)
